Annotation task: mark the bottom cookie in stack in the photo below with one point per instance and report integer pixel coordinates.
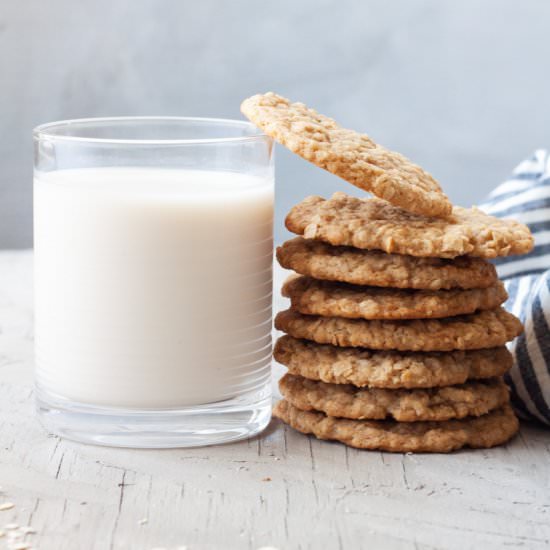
(485, 431)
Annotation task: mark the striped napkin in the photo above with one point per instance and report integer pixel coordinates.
(526, 197)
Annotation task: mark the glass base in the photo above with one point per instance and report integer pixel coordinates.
(200, 425)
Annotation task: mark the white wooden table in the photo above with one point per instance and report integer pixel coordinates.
(282, 490)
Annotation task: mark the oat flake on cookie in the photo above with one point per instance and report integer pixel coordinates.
(350, 155)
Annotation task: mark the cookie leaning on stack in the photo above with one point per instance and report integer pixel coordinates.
(395, 334)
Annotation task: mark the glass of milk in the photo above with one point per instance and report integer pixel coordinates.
(153, 280)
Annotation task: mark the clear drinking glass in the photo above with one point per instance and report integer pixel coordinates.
(153, 280)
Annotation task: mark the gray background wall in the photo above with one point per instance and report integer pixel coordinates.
(459, 86)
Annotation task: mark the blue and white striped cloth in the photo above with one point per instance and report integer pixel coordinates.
(526, 197)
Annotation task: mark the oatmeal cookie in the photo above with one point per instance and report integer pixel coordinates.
(332, 299)
(375, 224)
(350, 155)
(376, 268)
(389, 369)
(485, 431)
(485, 329)
(347, 401)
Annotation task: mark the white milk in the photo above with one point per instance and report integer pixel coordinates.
(153, 286)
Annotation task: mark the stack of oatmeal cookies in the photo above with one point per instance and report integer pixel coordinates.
(395, 338)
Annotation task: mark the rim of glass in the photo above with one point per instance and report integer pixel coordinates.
(44, 130)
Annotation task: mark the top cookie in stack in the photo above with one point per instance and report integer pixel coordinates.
(395, 334)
